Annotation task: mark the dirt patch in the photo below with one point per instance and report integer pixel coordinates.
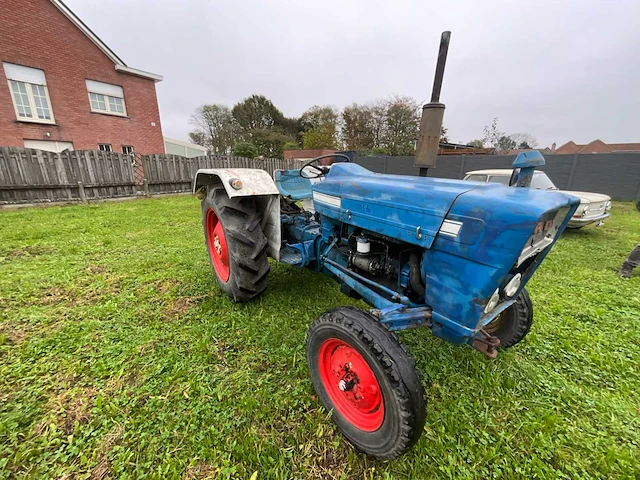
(29, 251)
(200, 471)
(54, 295)
(178, 307)
(67, 408)
(12, 334)
(102, 469)
(80, 295)
(112, 438)
(165, 285)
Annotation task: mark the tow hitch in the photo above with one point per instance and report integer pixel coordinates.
(486, 344)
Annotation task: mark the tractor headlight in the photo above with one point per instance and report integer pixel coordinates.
(512, 287)
(493, 301)
(608, 207)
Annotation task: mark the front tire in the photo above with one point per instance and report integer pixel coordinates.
(363, 374)
(236, 244)
(512, 325)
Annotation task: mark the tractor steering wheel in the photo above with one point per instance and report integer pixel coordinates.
(320, 171)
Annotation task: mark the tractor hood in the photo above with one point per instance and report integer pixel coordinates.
(408, 208)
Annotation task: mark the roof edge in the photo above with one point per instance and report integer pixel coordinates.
(119, 63)
(139, 73)
(67, 12)
(182, 143)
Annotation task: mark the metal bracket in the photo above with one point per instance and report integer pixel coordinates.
(486, 344)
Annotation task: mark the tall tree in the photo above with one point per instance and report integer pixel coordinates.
(492, 135)
(524, 139)
(320, 124)
(444, 137)
(215, 128)
(478, 143)
(270, 141)
(358, 127)
(379, 124)
(506, 143)
(257, 112)
(401, 126)
(198, 138)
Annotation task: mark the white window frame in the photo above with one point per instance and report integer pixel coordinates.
(107, 147)
(128, 147)
(31, 99)
(106, 99)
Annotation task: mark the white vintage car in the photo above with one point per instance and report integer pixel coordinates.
(594, 207)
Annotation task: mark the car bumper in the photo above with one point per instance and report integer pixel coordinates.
(582, 221)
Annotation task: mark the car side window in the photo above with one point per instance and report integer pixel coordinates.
(476, 178)
(503, 179)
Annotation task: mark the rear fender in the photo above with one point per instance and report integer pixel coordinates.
(254, 183)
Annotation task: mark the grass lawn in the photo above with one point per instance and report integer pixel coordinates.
(121, 358)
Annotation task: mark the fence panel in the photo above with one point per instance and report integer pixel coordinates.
(614, 174)
(174, 174)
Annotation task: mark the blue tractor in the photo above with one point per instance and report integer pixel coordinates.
(449, 255)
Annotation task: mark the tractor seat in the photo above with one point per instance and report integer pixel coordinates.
(292, 185)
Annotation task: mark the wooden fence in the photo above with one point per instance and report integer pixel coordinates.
(34, 176)
(173, 173)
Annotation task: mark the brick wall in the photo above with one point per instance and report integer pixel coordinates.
(36, 34)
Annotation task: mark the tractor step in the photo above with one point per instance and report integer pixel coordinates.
(290, 255)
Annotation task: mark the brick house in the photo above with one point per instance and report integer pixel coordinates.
(62, 88)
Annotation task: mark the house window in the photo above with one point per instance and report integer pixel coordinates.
(106, 98)
(105, 147)
(29, 92)
(127, 149)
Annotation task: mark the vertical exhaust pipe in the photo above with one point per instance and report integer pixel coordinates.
(432, 115)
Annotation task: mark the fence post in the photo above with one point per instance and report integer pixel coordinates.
(573, 169)
(83, 195)
(462, 172)
(145, 183)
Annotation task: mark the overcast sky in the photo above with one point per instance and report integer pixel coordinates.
(558, 70)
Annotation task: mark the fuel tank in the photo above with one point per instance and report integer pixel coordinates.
(408, 208)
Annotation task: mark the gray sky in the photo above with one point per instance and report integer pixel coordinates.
(559, 70)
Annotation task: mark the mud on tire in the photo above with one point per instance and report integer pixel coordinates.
(237, 246)
(403, 404)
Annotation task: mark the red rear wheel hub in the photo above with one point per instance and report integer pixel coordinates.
(351, 384)
(217, 244)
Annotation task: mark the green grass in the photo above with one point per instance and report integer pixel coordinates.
(121, 358)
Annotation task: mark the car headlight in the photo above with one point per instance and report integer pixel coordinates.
(608, 207)
(493, 301)
(585, 210)
(512, 287)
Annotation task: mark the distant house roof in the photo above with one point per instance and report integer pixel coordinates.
(596, 146)
(120, 65)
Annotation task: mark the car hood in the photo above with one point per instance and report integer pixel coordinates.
(589, 197)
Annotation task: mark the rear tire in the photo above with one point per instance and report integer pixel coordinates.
(514, 323)
(364, 375)
(236, 244)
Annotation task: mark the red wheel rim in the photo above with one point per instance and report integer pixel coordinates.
(351, 385)
(217, 244)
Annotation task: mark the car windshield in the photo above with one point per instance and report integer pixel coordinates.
(503, 179)
(540, 181)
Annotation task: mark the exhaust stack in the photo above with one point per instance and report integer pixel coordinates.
(432, 115)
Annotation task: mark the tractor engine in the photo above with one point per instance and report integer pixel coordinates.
(386, 261)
